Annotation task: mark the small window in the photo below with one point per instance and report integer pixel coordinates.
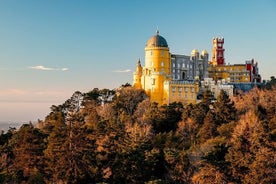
(162, 64)
(153, 82)
(173, 89)
(179, 89)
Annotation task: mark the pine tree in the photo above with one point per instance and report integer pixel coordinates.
(70, 152)
(28, 144)
(224, 109)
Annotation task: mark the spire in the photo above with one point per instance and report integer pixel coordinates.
(157, 31)
(138, 66)
(139, 62)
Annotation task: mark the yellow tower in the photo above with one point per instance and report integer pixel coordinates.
(157, 69)
(137, 76)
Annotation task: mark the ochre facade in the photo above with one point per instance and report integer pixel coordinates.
(156, 76)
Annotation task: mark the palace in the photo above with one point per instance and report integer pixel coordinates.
(168, 78)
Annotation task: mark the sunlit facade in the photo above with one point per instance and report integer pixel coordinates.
(167, 77)
(218, 70)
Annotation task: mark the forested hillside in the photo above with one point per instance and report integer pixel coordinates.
(93, 139)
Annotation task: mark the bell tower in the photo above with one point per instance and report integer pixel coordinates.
(218, 52)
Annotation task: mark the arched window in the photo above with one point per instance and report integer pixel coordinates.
(183, 75)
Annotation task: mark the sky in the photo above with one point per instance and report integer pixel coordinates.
(50, 49)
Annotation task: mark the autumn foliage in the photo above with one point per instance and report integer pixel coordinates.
(107, 136)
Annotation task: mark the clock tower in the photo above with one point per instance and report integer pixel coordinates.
(218, 52)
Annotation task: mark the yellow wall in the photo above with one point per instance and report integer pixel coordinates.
(235, 73)
(184, 93)
(156, 72)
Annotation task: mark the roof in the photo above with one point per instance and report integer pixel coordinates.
(157, 41)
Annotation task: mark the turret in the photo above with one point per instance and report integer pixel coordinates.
(137, 76)
(204, 54)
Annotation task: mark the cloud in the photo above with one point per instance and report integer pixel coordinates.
(64, 69)
(122, 71)
(40, 67)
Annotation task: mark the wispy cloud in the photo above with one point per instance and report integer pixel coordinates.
(41, 67)
(122, 71)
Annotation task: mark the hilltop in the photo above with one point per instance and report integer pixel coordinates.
(119, 136)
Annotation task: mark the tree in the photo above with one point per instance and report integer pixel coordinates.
(187, 133)
(198, 111)
(224, 109)
(221, 112)
(90, 114)
(142, 112)
(209, 128)
(209, 174)
(54, 154)
(28, 144)
(70, 152)
(165, 117)
(271, 84)
(6, 155)
(128, 98)
(252, 152)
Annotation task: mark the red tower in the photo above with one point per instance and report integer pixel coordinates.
(218, 51)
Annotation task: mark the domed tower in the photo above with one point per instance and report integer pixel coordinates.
(204, 54)
(195, 53)
(157, 68)
(137, 76)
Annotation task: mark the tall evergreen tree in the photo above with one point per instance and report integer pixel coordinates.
(224, 109)
(28, 144)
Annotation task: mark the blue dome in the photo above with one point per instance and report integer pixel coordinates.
(157, 41)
